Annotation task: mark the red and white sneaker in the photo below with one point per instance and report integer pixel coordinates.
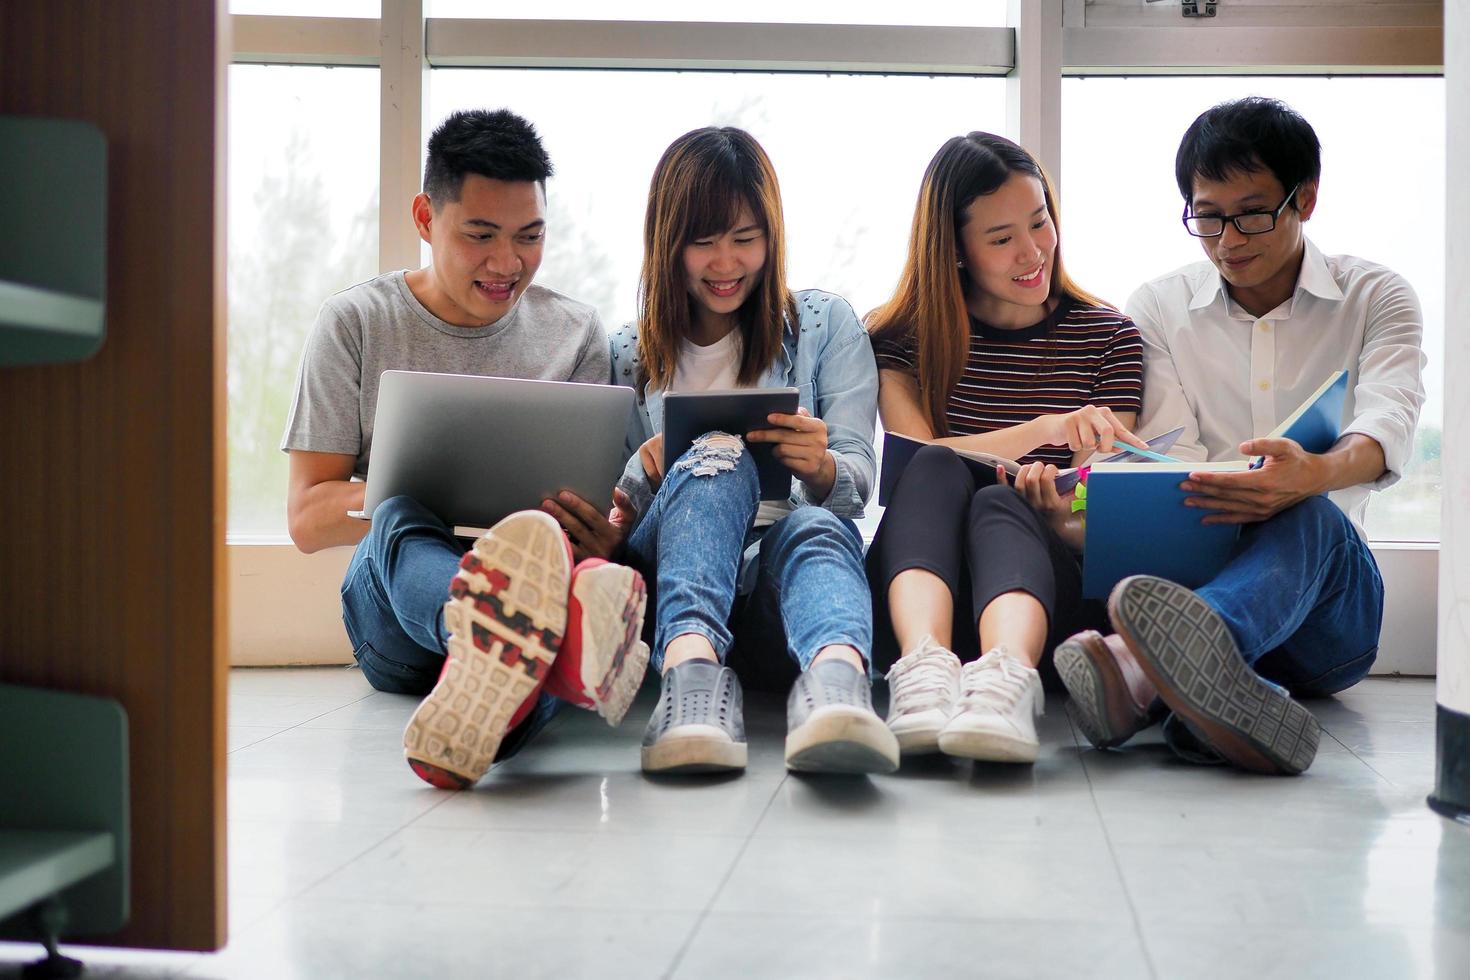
(506, 614)
(603, 658)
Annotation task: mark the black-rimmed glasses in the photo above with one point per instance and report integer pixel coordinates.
(1248, 223)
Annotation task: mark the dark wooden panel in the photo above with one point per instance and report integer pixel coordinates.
(112, 575)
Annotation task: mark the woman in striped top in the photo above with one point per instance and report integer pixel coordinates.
(988, 345)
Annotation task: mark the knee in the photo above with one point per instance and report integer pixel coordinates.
(400, 511)
(816, 523)
(718, 459)
(940, 466)
(1316, 519)
(996, 499)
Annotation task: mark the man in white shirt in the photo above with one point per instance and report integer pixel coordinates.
(1231, 347)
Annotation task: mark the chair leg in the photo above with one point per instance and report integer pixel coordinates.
(48, 918)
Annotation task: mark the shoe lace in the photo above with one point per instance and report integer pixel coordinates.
(920, 678)
(997, 682)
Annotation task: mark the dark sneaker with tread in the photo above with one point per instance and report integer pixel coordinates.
(831, 725)
(1186, 651)
(506, 615)
(699, 722)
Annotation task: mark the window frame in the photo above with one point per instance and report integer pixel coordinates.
(1046, 39)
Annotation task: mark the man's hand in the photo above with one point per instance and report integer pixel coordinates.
(801, 444)
(592, 534)
(651, 455)
(1289, 475)
(1037, 485)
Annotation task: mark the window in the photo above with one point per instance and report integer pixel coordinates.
(849, 151)
(940, 13)
(303, 223)
(1121, 206)
(308, 8)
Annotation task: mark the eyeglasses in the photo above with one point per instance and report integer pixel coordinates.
(1249, 223)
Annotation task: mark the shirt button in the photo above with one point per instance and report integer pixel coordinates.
(1265, 327)
(1265, 386)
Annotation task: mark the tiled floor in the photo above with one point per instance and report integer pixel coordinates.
(566, 862)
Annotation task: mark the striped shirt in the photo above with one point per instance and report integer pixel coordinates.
(1079, 355)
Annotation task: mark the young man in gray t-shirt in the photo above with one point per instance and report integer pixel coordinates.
(522, 628)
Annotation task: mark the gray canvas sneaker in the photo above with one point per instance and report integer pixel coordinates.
(698, 725)
(831, 725)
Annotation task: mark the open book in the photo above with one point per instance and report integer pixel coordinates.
(898, 450)
(1138, 524)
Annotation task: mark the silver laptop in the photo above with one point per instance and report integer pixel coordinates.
(475, 449)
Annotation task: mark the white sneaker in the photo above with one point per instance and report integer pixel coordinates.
(995, 718)
(922, 689)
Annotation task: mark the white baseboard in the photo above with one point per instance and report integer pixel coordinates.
(285, 607)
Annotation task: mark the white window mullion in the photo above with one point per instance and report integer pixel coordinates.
(403, 108)
(1034, 88)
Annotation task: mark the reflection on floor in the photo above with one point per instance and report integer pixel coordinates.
(566, 862)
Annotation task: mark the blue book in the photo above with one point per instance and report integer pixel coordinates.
(1137, 523)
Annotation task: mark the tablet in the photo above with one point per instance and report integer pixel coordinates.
(474, 449)
(689, 415)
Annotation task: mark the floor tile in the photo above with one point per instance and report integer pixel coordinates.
(376, 711)
(980, 878)
(1263, 884)
(615, 803)
(343, 683)
(1309, 954)
(280, 710)
(850, 947)
(355, 940)
(239, 736)
(537, 870)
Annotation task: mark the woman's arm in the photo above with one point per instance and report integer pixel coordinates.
(1085, 430)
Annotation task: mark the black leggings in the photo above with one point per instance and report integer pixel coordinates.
(982, 543)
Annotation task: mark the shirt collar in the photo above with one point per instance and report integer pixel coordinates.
(1314, 278)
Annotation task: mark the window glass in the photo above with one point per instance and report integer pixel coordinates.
(303, 224)
(308, 8)
(946, 13)
(1380, 199)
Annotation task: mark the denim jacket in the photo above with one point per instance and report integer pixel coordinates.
(827, 358)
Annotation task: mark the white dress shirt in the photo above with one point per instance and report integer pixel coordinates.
(1227, 376)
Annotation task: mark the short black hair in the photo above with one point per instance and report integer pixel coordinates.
(499, 145)
(1247, 136)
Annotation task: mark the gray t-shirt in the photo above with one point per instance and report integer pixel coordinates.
(378, 325)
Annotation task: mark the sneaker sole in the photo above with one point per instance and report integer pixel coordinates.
(506, 616)
(614, 657)
(701, 748)
(838, 739)
(988, 747)
(1093, 680)
(1186, 650)
(917, 741)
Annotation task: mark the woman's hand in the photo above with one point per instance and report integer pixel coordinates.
(651, 454)
(1037, 485)
(800, 443)
(1091, 428)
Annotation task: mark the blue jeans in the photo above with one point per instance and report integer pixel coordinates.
(808, 592)
(1303, 598)
(393, 606)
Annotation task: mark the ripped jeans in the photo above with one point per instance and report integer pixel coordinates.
(808, 592)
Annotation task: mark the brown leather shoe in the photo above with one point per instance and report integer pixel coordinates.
(1111, 696)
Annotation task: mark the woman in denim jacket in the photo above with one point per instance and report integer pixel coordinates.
(737, 581)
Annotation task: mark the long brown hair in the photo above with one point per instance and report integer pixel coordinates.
(929, 303)
(698, 189)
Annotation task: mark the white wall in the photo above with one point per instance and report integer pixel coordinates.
(1454, 561)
